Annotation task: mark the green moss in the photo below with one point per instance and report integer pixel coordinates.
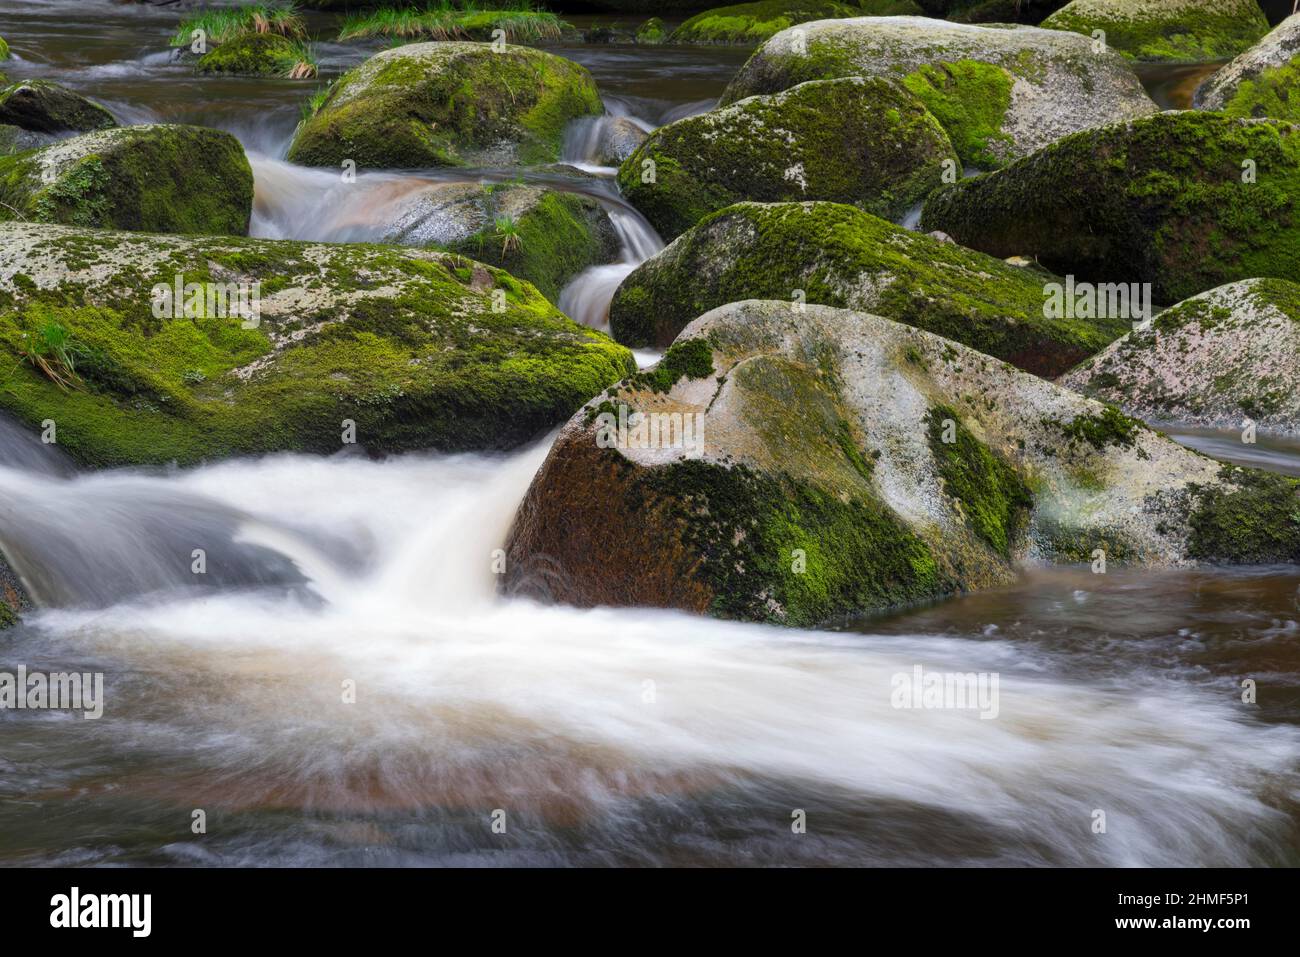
(1255, 521)
(4, 49)
(862, 141)
(389, 338)
(1274, 92)
(993, 497)
(970, 99)
(692, 358)
(747, 526)
(840, 256)
(652, 31)
(46, 107)
(448, 104)
(755, 22)
(180, 179)
(1218, 30)
(1160, 199)
(558, 236)
(257, 54)
(1111, 427)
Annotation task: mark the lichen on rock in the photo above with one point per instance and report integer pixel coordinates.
(418, 349)
(840, 256)
(1185, 201)
(1172, 30)
(828, 462)
(448, 104)
(1263, 81)
(1001, 92)
(1227, 358)
(864, 141)
(180, 179)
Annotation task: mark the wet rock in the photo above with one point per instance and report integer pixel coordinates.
(1222, 359)
(448, 104)
(1185, 201)
(846, 463)
(865, 141)
(43, 107)
(1000, 92)
(180, 179)
(1179, 30)
(839, 256)
(279, 346)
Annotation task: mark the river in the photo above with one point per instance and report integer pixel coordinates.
(345, 685)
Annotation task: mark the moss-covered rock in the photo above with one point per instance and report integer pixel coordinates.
(1000, 92)
(1263, 81)
(44, 107)
(178, 179)
(255, 54)
(1185, 201)
(987, 11)
(544, 236)
(839, 463)
(651, 32)
(840, 256)
(1180, 30)
(420, 349)
(448, 104)
(865, 141)
(755, 22)
(1220, 359)
(4, 49)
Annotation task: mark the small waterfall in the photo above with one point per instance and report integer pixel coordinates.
(587, 297)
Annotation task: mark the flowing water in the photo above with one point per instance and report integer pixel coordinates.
(344, 685)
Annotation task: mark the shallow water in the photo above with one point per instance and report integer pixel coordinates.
(604, 736)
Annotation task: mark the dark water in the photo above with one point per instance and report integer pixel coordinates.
(600, 737)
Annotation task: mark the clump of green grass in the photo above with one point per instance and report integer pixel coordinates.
(508, 232)
(224, 25)
(53, 351)
(299, 62)
(454, 20)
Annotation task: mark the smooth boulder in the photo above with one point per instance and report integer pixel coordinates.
(276, 345)
(44, 107)
(839, 463)
(542, 235)
(1227, 358)
(1000, 92)
(837, 255)
(175, 179)
(865, 141)
(447, 104)
(1185, 201)
(1263, 81)
(1178, 30)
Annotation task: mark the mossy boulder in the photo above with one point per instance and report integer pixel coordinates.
(840, 256)
(419, 349)
(1000, 93)
(755, 22)
(448, 104)
(1178, 30)
(987, 11)
(255, 54)
(544, 236)
(651, 32)
(865, 141)
(1263, 81)
(177, 179)
(1185, 201)
(840, 463)
(1221, 359)
(4, 49)
(44, 107)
